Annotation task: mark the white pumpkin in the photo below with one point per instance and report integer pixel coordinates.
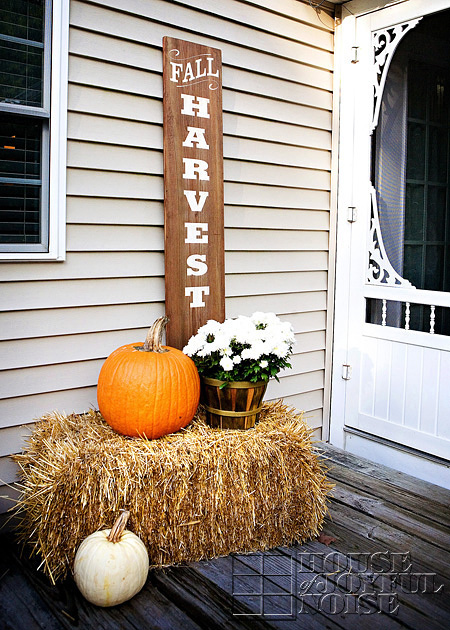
(111, 565)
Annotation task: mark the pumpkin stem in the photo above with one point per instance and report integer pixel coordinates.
(153, 341)
(117, 529)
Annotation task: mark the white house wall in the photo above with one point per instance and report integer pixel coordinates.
(59, 321)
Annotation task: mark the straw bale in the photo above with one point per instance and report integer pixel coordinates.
(195, 494)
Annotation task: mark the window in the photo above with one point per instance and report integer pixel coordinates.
(33, 105)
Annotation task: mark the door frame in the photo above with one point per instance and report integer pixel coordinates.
(355, 97)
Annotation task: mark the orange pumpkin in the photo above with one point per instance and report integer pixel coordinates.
(148, 390)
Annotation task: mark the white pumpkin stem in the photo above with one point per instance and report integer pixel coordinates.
(117, 529)
(153, 341)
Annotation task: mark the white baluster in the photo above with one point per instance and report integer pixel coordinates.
(432, 319)
(407, 315)
(383, 313)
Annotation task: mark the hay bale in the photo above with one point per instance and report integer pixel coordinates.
(199, 493)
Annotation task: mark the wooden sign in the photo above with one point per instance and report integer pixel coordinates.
(193, 188)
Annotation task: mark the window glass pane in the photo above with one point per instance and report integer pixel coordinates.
(414, 208)
(23, 19)
(434, 267)
(438, 97)
(21, 74)
(416, 102)
(19, 213)
(20, 147)
(437, 155)
(413, 264)
(416, 151)
(436, 210)
(21, 62)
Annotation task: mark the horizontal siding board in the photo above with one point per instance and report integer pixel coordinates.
(104, 238)
(116, 131)
(306, 362)
(282, 304)
(60, 376)
(259, 262)
(307, 402)
(276, 218)
(267, 21)
(293, 137)
(296, 10)
(248, 161)
(271, 175)
(63, 293)
(66, 349)
(306, 322)
(276, 196)
(81, 265)
(112, 77)
(275, 240)
(177, 23)
(291, 385)
(254, 150)
(9, 471)
(84, 182)
(49, 378)
(23, 353)
(14, 439)
(101, 210)
(149, 82)
(135, 30)
(274, 283)
(27, 409)
(83, 319)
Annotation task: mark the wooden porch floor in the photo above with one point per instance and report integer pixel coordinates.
(383, 562)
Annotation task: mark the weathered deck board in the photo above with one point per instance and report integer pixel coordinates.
(374, 510)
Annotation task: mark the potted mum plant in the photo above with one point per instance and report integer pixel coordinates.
(235, 360)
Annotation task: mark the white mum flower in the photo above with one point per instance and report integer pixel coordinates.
(263, 363)
(226, 363)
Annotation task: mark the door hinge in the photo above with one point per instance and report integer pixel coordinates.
(352, 214)
(346, 372)
(355, 54)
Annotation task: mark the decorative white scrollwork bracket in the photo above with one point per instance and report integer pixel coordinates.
(380, 271)
(385, 42)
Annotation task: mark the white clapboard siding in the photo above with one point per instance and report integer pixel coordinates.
(52, 322)
(103, 157)
(297, 69)
(81, 265)
(101, 210)
(58, 321)
(259, 262)
(293, 137)
(183, 18)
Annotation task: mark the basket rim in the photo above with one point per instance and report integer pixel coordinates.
(235, 384)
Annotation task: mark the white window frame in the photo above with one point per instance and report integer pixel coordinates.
(56, 173)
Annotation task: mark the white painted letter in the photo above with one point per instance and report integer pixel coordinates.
(194, 233)
(198, 63)
(176, 69)
(194, 205)
(196, 135)
(191, 167)
(210, 72)
(197, 265)
(189, 106)
(188, 74)
(197, 295)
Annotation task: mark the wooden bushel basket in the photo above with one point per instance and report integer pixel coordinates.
(234, 406)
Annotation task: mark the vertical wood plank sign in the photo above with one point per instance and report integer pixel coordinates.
(193, 188)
